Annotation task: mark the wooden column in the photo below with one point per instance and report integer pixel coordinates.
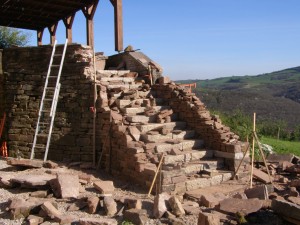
(89, 12)
(40, 36)
(118, 16)
(52, 31)
(68, 21)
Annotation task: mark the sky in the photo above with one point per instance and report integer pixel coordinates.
(201, 39)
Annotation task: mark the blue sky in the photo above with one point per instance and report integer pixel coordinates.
(201, 39)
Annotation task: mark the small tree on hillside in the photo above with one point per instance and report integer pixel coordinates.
(12, 36)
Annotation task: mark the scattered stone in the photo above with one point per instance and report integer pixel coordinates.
(133, 203)
(28, 163)
(245, 206)
(240, 196)
(21, 208)
(160, 204)
(78, 205)
(280, 157)
(136, 216)
(33, 180)
(176, 206)
(105, 187)
(51, 211)
(208, 219)
(93, 202)
(260, 192)
(210, 200)
(295, 200)
(66, 186)
(261, 176)
(97, 221)
(110, 206)
(287, 209)
(49, 164)
(35, 220)
(39, 194)
(191, 208)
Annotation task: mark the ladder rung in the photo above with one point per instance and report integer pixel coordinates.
(50, 88)
(48, 99)
(44, 110)
(52, 76)
(44, 123)
(57, 55)
(55, 65)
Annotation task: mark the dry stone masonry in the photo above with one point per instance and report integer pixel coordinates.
(25, 71)
(137, 123)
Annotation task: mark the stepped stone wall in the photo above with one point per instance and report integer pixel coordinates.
(216, 136)
(25, 70)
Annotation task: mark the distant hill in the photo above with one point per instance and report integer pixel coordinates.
(273, 96)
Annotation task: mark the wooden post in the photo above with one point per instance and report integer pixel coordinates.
(263, 156)
(237, 170)
(52, 31)
(253, 145)
(94, 111)
(40, 37)
(118, 15)
(157, 170)
(89, 13)
(68, 21)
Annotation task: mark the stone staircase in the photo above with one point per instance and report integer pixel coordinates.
(148, 127)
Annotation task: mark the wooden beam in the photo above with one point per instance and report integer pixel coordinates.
(112, 2)
(89, 12)
(52, 31)
(40, 37)
(68, 21)
(118, 15)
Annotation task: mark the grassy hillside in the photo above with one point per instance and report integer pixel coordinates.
(273, 96)
(282, 147)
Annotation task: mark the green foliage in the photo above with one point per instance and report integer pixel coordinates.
(281, 146)
(12, 36)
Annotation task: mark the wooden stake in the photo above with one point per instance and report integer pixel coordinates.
(253, 145)
(263, 155)
(157, 170)
(237, 170)
(94, 112)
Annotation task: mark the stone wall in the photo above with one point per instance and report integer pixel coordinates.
(25, 70)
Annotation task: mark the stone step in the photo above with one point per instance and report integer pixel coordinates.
(174, 180)
(197, 166)
(147, 119)
(188, 156)
(125, 86)
(139, 110)
(202, 182)
(155, 126)
(184, 134)
(108, 73)
(118, 79)
(182, 145)
(123, 103)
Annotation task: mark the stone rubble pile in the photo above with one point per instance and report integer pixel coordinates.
(58, 195)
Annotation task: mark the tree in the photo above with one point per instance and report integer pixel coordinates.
(12, 36)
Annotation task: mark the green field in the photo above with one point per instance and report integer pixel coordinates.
(281, 146)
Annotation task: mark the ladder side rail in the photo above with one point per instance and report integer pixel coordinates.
(51, 123)
(42, 101)
(59, 75)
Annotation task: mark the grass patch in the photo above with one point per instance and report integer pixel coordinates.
(281, 146)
